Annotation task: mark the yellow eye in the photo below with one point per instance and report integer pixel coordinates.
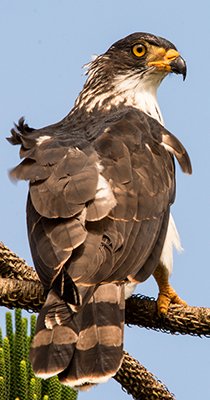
(139, 50)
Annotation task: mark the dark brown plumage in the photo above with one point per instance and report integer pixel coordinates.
(101, 184)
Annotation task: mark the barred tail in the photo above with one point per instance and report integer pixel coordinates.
(83, 348)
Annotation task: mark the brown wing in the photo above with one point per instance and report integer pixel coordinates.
(97, 214)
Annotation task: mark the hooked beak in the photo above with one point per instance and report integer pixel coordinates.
(169, 61)
(179, 66)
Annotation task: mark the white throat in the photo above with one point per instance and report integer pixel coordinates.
(133, 90)
(140, 93)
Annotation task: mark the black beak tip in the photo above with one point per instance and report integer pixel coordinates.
(184, 73)
(178, 66)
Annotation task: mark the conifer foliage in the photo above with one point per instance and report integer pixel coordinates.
(17, 380)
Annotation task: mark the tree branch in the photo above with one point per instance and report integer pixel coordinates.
(142, 311)
(139, 382)
(20, 288)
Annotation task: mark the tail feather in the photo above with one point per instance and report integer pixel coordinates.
(53, 344)
(83, 348)
(86, 367)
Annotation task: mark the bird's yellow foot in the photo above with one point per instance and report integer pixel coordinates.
(167, 295)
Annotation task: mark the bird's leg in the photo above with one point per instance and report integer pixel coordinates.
(167, 294)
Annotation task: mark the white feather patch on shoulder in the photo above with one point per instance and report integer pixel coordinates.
(104, 192)
(172, 240)
(42, 139)
(104, 200)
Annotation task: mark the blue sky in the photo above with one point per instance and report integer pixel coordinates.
(43, 45)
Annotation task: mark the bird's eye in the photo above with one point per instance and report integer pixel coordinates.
(139, 50)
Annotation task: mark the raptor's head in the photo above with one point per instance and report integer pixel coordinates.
(129, 73)
(143, 53)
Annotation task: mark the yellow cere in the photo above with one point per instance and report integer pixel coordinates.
(160, 58)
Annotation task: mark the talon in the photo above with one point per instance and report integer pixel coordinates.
(167, 295)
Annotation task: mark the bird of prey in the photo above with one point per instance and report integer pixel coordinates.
(101, 183)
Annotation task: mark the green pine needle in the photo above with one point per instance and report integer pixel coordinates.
(17, 380)
(2, 388)
(23, 388)
(68, 393)
(1, 338)
(33, 325)
(54, 388)
(32, 388)
(10, 336)
(6, 347)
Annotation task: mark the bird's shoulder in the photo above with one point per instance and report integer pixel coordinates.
(103, 159)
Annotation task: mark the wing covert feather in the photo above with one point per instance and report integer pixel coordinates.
(98, 207)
